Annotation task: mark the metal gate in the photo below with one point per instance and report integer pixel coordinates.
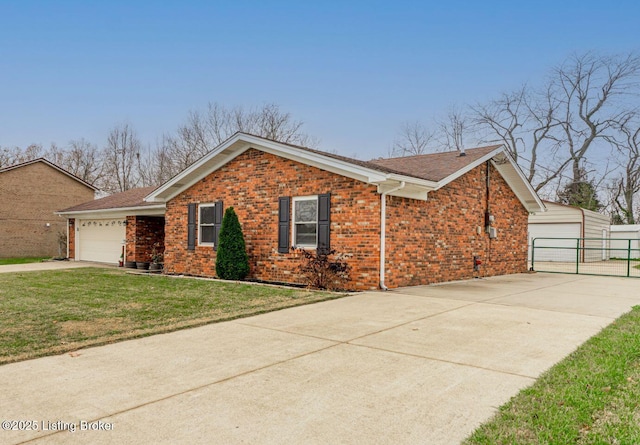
(586, 256)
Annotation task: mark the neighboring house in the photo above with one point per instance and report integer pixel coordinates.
(625, 241)
(570, 223)
(30, 194)
(403, 221)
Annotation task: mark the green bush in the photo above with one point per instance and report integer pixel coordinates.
(232, 261)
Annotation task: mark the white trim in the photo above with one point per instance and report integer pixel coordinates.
(415, 188)
(76, 254)
(239, 143)
(150, 210)
(293, 221)
(204, 204)
(467, 168)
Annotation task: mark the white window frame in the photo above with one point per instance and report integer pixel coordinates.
(294, 222)
(199, 225)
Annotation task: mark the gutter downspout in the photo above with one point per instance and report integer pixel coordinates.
(383, 230)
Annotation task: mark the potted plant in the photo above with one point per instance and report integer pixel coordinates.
(156, 259)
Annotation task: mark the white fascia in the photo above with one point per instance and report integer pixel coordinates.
(152, 210)
(242, 142)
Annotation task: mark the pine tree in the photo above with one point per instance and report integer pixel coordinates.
(581, 193)
(232, 261)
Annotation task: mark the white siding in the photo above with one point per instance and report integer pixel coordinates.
(571, 231)
(557, 213)
(619, 235)
(558, 217)
(594, 224)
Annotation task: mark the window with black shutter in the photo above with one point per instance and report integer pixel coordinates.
(324, 222)
(191, 226)
(217, 223)
(311, 221)
(284, 209)
(209, 223)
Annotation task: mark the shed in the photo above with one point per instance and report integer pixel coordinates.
(623, 238)
(569, 223)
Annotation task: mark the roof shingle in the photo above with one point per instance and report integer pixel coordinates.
(130, 198)
(434, 166)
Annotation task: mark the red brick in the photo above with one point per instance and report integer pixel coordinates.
(427, 241)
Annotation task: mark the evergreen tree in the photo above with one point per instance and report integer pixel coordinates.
(581, 193)
(232, 261)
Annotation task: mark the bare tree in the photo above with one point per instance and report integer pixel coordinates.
(523, 121)
(9, 156)
(454, 129)
(626, 185)
(413, 139)
(16, 155)
(204, 131)
(81, 158)
(121, 157)
(555, 128)
(590, 91)
(155, 165)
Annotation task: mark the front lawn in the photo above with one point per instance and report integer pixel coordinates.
(591, 397)
(50, 312)
(5, 261)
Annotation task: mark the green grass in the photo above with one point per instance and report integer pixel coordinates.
(50, 312)
(591, 397)
(5, 261)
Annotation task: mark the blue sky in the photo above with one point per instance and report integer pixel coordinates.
(353, 71)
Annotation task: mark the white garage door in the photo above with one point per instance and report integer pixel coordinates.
(566, 230)
(100, 239)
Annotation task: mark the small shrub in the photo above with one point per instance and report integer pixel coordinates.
(232, 261)
(323, 272)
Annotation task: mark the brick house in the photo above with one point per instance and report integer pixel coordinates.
(101, 229)
(30, 194)
(403, 221)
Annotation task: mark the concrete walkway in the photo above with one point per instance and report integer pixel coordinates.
(421, 365)
(49, 265)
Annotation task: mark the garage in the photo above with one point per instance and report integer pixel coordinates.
(99, 229)
(557, 230)
(563, 221)
(100, 240)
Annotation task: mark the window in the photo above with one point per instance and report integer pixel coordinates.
(209, 223)
(305, 221)
(206, 224)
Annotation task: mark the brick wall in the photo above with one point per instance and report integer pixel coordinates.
(143, 233)
(29, 196)
(252, 183)
(427, 241)
(435, 240)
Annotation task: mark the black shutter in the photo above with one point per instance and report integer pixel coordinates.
(217, 223)
(284, 216)
(191, 227)
(324, 222)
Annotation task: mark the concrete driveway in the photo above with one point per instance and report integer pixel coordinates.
(415, 365)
